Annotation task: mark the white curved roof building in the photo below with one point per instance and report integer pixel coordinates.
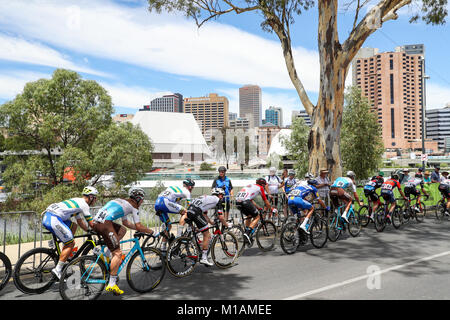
(176, 137)
(276, 146)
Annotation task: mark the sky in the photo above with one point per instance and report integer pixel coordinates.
(137, 55)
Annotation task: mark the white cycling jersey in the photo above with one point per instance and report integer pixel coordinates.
(414, 182)
(205, 202)
(250, 192)
(70, 208)
(115, 209)
(175, 194)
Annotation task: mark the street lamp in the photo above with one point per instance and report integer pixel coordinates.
(424, 77)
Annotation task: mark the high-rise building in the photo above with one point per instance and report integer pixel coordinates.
(392, 81)
(274, 116)
(210, 112)
(302, 114)
(438, 125)
(232, 116)
(250, 104)
(167, 103)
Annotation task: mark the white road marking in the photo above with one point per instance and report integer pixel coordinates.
(346, 282)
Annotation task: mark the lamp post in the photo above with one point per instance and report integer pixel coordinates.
(424, 77)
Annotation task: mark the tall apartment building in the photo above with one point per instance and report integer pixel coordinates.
(392, 81)
(210, 112)
(303, 114)
(250, 104)
(438, 125)
(167, 103)
(274, 116)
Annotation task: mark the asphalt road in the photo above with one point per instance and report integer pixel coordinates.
(410, 263)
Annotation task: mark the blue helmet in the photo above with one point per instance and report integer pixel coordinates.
(313, 182)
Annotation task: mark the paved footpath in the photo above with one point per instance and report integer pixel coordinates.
(410, 263)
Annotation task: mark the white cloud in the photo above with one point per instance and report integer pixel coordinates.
(20, 50)
(437, 95)
(166, 43)
(12, 84)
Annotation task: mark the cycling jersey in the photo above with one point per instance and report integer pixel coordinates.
(413, 183)
(374, 183)
(250, 192)
(175, 194)
(289, 184)
(70, 208)
(115, 209)
(344, 183)
(307, 192)
(390, 185)
(167, 201)
(273, 182)
(224, 184)
(205, 203)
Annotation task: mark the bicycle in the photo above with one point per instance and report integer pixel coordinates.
(85, 277)
(32, 272)
(265, 233)
(292, 236)
(441, 209)
(365, 212)
(184, 253)
(381, 219)
(417, 211)
(337, 225)
(164, 234)
(5, 271)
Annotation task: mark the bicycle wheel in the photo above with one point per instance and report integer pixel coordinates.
(397, 218)
(224, 250)
(354, 224)
(421, 212)
(239, 233)
(289, 238)
(380, 220)
(334, 226)
(32, 272)
(182, 257)
(145, 273)
(84, 278)
(318, 231)
(364, 215)
(440, 210)
(266, 235)
(5, 270)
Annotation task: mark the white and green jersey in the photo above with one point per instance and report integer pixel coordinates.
(70, 208)
(175, 194)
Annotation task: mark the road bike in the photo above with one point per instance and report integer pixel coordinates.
(365, 212)
(165, 234)
(337, 225)
(265, 233)
(381, 216)
(184, 253)
(417, 211)
(5, 270)
(85, 277)
(292, 236)
(440, 209)
(32, 272)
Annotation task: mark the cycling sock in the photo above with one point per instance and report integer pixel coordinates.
(164, 246)
(205, 254)
(60, 266)
(305, 223)
(112, 281)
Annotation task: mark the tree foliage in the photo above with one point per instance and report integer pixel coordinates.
(297, 145)
(361, 143)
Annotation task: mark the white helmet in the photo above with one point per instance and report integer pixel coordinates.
(309, 175)
(351, 174)
(136, 193)
(88, 191)
(217, 191)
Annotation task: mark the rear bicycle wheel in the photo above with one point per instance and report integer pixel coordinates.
(32, 272)
(354, 224)
(182, 257)
(239, 234)
(266, 235)
(380, 220)
(224, 250)
(334, 226)
(364, 215)
(84, 278)
(289, 238)
(5, 270)
(421, 213)
(397, 218)
(145, 273)
(318, 232)
(440, 210)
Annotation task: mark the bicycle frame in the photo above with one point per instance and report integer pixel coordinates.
(56, 244)
(351, 211)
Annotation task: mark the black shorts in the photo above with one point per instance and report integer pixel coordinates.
(195, 215)
(372, 195)
(247, 208)
(411, 191)
(445, 190)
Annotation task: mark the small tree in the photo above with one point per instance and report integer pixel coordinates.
(297, 145)
(361, 143)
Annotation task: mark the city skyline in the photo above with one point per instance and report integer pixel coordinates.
(122, 46)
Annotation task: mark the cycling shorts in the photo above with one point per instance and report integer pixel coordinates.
(337, 194)
(298, 204)
(109, 231)
(445, 190)
(58, 227)
(196, 215)
(371, 194)
(411, 191)
(388, 195)
(164, 206)
(247, 208)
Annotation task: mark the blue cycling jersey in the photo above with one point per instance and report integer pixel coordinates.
(304, 191)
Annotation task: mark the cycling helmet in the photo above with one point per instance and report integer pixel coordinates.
(351, 174)
(88, 191)
(222, 168)
(394, 176)
(309, 175)
(261, 181)
(313, 182)
(418, 175)
(291, 172)
(189, 182)
(381, 174)
(217, 192)
(136, 193)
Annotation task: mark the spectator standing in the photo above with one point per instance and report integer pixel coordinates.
(223, 182)
(426, 177)
(444, 176)
(323, 186)
(406, 177)
(435, 176)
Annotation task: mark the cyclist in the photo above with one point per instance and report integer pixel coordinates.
(246, 204)
(57, 220)
(338, 190)
(370, 191)
(197, 212)
(444, 188)
(167, 202)
(113, 232)
(411, 186)
(288, 185)
(387, 192)
(300, 200)
(224, 182)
